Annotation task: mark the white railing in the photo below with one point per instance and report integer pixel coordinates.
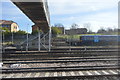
(45, 5)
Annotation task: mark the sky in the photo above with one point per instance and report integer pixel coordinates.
(98, 13)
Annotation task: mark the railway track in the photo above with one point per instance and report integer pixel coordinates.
(59, 61)
(60, 54)
(71, 65)
(76, 48)
(63, 68)
(62, 58)
(62, 51)
(109, 74)
(75, 62)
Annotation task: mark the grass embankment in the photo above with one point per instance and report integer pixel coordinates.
(74, 36)
(78, 36)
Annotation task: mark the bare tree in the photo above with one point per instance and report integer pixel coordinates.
(102, 30)
(74, 26)
(87, 25)
(109, 30)
(58, 25)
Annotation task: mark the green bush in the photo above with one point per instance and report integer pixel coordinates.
(56, 30)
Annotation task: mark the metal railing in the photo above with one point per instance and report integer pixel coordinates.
(45, 5)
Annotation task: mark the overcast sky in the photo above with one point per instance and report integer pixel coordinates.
(99, 13)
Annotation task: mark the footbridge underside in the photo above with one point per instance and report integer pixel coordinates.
(37, 12)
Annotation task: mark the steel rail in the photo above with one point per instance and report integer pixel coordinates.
(64, 77)
(78, 48)
(60, 55)
(72, 58)
(61, 67)
(46, 52)
(61, 61)
(50, 69)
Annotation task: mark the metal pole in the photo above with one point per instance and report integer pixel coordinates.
(44, 40)
(0, 46)
(70, 44)
(27, 43)
(3, 40)
(39, 41)
(70, 39)
(27, 40)
(50, 39)
(12, 37)
(3, 43)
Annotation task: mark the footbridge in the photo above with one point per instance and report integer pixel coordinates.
(37, 11)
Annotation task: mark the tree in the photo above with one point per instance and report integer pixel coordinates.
(116, 30)
(56, 30)
(74, 26)
(21, 32)
(58, 25)
(60, 28)
(87, 25)
(91, 32)
(4, 28)
(6, 31)
(110, 30)
(101, 31)
(36, 31)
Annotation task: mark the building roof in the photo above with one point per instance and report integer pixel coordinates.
(6, 22)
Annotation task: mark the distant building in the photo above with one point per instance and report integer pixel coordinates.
(12, 26)
(76, 31)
